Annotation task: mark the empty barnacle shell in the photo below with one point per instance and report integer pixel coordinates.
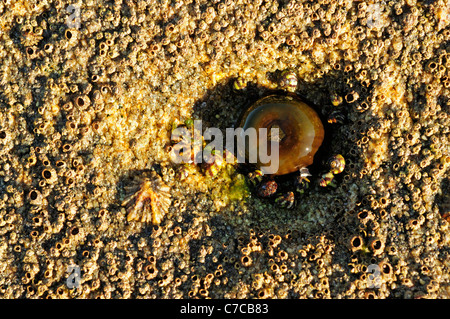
(336, 164)
(82, 102)
(352, 97)
(148, 198)
(356, 243)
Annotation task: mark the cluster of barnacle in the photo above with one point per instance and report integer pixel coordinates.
(158, 275)
(52, 174)
(110, 269)
(417, 168)
(223, 182)
(193, 150)
(50, 135)
(372, 249)
(279, 266)
(218, 29)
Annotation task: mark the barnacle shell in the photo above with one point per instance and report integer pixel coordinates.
(148, 198)
(301, 130)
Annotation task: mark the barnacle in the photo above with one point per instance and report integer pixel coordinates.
(31, 37)
(148, 198)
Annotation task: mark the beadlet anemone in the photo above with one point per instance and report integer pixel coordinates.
(300, 131)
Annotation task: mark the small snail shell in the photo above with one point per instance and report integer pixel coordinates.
(336, 164)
